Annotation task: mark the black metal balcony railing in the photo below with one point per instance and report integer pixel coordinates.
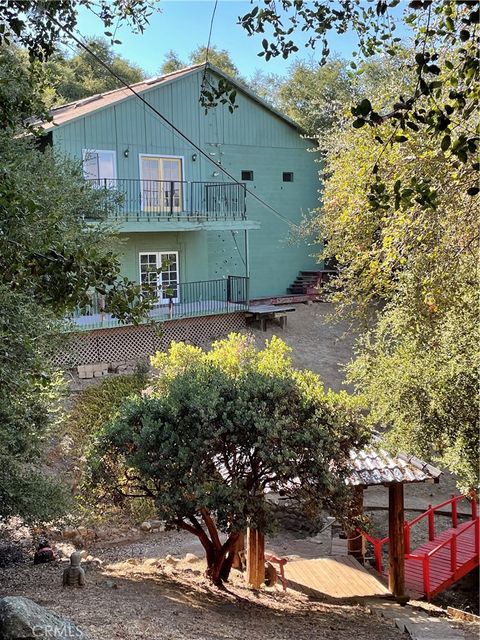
(144, 200)
(175, 301)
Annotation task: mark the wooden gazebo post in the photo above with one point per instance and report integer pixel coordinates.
(354, 537)
(255, 558)
(396, 555)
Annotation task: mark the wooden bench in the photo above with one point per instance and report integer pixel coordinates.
(264, 313)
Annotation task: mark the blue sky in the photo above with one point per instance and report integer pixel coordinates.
(182, 25)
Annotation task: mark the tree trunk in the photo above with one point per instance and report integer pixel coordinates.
(219, 556)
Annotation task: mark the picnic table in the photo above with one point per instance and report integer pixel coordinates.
(263, 313)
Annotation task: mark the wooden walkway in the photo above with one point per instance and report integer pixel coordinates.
(333, 578)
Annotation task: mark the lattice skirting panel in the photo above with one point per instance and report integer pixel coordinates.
(131, 343)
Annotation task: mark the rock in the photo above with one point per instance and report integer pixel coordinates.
(21, 618)
(171, 560)
(83, 554)
(110, 584)
(191, 558)
(102, 534)
(77, 541)
(145, 526)
(157, 524)
(151, 562)
(134, 561)
(64, 549)
(69, 533)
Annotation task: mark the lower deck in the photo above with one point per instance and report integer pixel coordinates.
(338, 578)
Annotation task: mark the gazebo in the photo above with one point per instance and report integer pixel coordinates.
(372, 466)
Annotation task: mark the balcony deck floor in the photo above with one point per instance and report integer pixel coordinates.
(163, 313)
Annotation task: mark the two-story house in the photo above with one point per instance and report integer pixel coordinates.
(217, 245)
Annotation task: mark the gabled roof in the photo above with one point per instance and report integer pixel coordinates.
(79, 108)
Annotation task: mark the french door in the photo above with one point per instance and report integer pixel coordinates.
(161, 184)
(160, 269)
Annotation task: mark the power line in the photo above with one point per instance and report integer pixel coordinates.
(207, 51)
(211, 28)
(160, 115)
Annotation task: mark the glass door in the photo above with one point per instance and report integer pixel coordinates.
(161, 184)
(160, 269)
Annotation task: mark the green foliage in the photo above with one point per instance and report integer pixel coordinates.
(46, 249)
(39, 25)
(422, 382)
(218, 429)
(315, 96)
(445, 63)
(172, 62)
(218, 57)
(99, 404)
(24, 92)
(78, 76)
(28, 405)
(406, 246)
(49, 256)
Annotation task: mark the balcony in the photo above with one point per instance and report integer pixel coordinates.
(170, 205)
(180, 300)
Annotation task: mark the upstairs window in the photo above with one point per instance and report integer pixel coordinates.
(247, 175)
(288, 176)
(100, 167)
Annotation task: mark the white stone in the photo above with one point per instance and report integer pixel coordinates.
(191, 558)
(145, 526)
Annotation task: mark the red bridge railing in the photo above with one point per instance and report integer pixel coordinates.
(425, 558)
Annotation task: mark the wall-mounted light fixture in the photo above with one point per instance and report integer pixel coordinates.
(215, 174)
(194, 157)
(125, 153)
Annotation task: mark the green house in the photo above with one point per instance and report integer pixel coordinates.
(221, 240)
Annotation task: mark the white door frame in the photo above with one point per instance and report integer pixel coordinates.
(182, 177)
(161, 298)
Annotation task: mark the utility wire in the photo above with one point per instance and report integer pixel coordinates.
(210, 32)
(160, 115)
(207, 51)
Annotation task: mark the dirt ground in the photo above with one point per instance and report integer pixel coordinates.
(136, 593)
(317, 345)
(133, 596)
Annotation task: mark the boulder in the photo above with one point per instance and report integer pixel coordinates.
(21, 618)
(157, 525)
(191, 558)
(145, 526)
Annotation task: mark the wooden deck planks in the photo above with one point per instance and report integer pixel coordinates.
(333, 577)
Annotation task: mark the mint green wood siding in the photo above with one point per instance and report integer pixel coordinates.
(252, 138)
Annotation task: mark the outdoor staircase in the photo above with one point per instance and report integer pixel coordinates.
(310, 282)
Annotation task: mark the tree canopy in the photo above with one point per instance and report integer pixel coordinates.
(80, 75)
(49, 260)
(218, 430)
(406, 246)
(218, 57)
